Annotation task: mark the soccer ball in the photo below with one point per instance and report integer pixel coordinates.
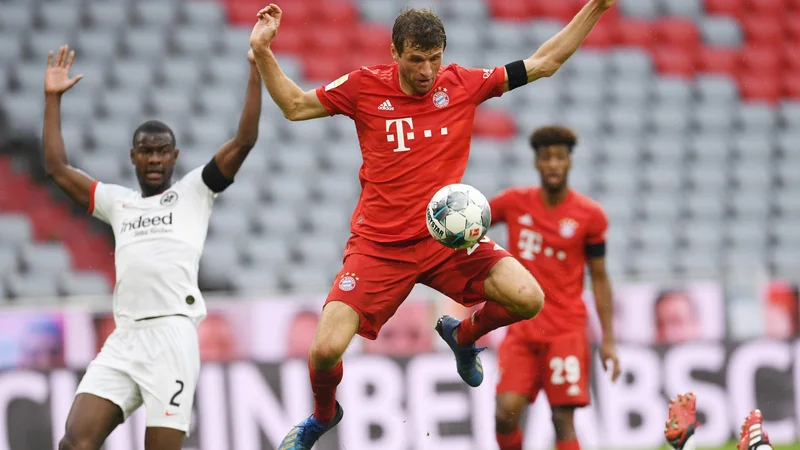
(458, 216)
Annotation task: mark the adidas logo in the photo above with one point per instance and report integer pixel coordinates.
(386, 106)
(526, 220)
(574, 390)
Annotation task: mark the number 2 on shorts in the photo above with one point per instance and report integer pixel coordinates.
(569, 365)
(172, 401)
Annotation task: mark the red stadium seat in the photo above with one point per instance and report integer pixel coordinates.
(761, 59)
(373, 37)
(602, 35)
(243, 12)
(793, 5)
(296, 14)
(791, 56)
(672, 60)
(339, 12)
(762, 29)
(324, 39)
(721, 60)
(760, 87)
(725, 7)
(774, 8)
(791, 84)
(563, 10)
(636, 33)
(791, 25)
(493, 124)
(325, 68)
(291, 40)
(512, 9)
(678, 32)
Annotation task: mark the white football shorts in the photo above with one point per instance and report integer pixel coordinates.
(155, 362)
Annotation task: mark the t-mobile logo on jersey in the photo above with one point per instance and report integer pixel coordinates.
(404, 131)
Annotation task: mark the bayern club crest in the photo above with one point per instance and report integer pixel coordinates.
(348, 282)
(440, 97)
(567, 228)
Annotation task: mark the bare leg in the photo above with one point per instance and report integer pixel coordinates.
(160, 438)
(564, 423)
(508, 411)
(91, 419)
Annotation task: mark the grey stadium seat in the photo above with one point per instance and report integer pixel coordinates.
(287, 189)
(704, 206)
(42, 42)
(320, 248)
(209, 131)
(789, 174)
(107, 15)
(630, 63)
(664, 150)
(500, 34)
(750, 204)
(716, 89)
(305, 278)
(10, 49)
(337, 185)
(267, 252)
(133, 75)
(32, 286)
(661, 207)
(693, 262)
(747, 233)
(464, 36)
(97, 44)
(122, 104)
(229, 71)
(194, 41)
(79, 107)
(542, 30)
(220, 260)
(646, 262)
(587, 64)
(672, 90)
(243, 195)
(256, 279)
(720, 31)
(626, 120)
(787, 204)
(180, 73)
(582, 92)
(111, 135)
(63, 15)
(703, 235)
(300, 161)
(790, 114)
(585, 121)
(229, 222)
(670, 119)
(27, 108)
(756, 117)
(752, 177)
(714, 117)
(618, 179)
(236, 42)
(30, 76)
(277, 222)
(15, 229)
(640, 8)
(104, 166)
(712, 148)
(84, 283)
(753, 148)
(306, 131)
(95, 77)
(51, 259)
(682, 8)
(171, 102)
(225, 104)
(629, 91)
(155, 14)
(9, 262)
(207, 15)
(16, 16)
(146, 44)
(786, 233)
(786, 260)
(327, 218)
(708, 178)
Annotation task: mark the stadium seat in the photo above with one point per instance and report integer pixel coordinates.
(733, 8)
(643, 9)
(49, 259)
(219, 262)
(676, 32)
(196, 42)
(703, 236)
(107, 15)
(716, 90)
(791, 25)
(495, 124)
(761, 59)
(305, 278)
(15, 230)
(254, 280)
(791, 84)
(672, 90)
(16, 16)
(762, 30)
(771, 8)
(146, 44)
(630, 62)
(155, 14)
(636, 33)
(32, 286)
(510, 9)
(629, 92)
(757, 117)
(721, 31)
(231, 224)
(267, 251)
(83, 283)
(716, 60)
(674, 61)
(713, 118)
(760, 87)
(203, 14)
(277, 223)
(705, 207)
(682, 8)
(670, 119)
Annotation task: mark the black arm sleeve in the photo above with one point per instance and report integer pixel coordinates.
(596, 250)
(213, 177)
(517, 75)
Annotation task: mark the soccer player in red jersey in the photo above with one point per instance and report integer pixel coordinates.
(554, 231)
(414, 120)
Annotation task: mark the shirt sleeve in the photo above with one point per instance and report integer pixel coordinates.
(598, 227)
(482, 84)
(102, 197)
(195, 183)
(341, 95)
(500, 205)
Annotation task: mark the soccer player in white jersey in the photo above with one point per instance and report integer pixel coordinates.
(152, 357)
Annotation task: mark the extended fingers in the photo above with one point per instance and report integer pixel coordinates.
(70, 58)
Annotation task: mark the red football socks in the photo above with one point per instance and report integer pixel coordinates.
(323, 384)
(510, 441)
(568, 445)
(491, 317)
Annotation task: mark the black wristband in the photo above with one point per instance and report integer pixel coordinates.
(517, 75)
(213, 177)
(596, 250)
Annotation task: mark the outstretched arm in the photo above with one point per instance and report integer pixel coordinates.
(76, 184)
(295, 103)
(230, 157)
(555, 52)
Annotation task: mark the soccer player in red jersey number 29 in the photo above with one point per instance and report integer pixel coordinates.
(414, 120)
(554, 231)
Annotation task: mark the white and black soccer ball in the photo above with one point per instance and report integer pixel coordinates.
(458, 216)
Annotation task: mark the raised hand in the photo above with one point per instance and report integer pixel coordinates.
(56, 77)
(251, 56)
(269, 19)
(606, 4)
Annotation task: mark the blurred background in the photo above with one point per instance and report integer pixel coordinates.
(687, 113)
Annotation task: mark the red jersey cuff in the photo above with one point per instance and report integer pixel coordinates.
(324, 100)
(91, 197)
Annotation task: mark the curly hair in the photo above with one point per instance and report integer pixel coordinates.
(553, 135)
(420, 28)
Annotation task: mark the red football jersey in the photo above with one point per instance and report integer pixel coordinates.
(552, 244)
(411, 146)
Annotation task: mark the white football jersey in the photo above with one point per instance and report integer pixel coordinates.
(159, 242)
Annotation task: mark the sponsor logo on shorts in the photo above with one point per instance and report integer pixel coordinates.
(440, 97)
(574, 390)
(348, 282)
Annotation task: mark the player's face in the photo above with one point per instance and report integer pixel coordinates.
(675, 320)
(553, 164)
(418, 68)
(154, 157)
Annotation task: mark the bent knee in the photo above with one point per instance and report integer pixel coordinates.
(69, 443)
(506, 421)
(325, 355)
(531, 300)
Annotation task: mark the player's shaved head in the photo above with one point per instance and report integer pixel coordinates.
(420, 29)
(553, 135)
(153, 127)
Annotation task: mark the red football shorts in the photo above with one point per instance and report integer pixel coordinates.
(560, 367)
(377, 277)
